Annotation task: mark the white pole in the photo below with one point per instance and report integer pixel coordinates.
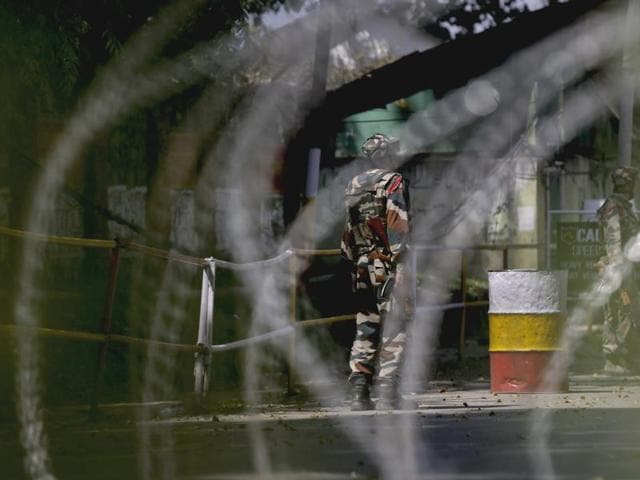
(199, 367)
(313, 173)
(211, 284)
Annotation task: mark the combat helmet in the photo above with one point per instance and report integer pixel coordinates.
(624, 177)
(379, 145)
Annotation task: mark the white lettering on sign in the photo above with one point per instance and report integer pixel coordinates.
(585, 250)
(578, 249)
(588, 235)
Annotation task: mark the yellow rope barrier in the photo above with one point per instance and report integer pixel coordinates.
(50, 332)
(58, 240)
(319, 253)
(324, 320)
(98, 337)
(158, 252)
(145, 249)
(168, 255)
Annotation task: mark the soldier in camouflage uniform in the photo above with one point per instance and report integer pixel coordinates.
(374, 241)
(618, 224)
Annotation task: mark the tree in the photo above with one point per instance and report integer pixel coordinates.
(58, 46)
(55, 49)
(450, 19)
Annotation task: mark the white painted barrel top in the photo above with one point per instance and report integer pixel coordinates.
(528, 291)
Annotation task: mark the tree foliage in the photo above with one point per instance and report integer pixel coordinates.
(449, 19)
(462, 17)
(55, 47)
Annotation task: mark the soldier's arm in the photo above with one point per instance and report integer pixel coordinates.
(397, 214)
(346, 242)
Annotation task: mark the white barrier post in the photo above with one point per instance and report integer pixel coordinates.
(205, 328)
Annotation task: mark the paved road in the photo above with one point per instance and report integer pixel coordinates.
(462, 433)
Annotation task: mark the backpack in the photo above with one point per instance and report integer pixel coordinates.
(366, 204)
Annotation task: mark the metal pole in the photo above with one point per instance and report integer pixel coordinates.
(313, 173)
(413, 259)
(315, 136)
(107, 321)
(206, 312)
(627, 97)
(311, 192)
(198, 367)
(293, 286)
(210, 271)
(463, 316)
(548, 222)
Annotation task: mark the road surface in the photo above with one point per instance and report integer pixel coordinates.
(463, 433)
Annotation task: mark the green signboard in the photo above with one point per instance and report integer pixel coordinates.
(578, 248)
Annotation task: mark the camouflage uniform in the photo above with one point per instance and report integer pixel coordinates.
(373, 241)
(618, 224)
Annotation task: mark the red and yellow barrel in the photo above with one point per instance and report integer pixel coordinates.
(526, 316)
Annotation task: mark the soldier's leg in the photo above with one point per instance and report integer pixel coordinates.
(393, 342)
(396, 314)
(365, 343)
(609, 340)
(367, 338)
(616, 327)
(632, 339)
(391, 354)
(388, 380)
(364, 348)
(627, 348)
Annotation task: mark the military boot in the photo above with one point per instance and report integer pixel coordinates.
(611, 368)
(360, 399)
(389, 397)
